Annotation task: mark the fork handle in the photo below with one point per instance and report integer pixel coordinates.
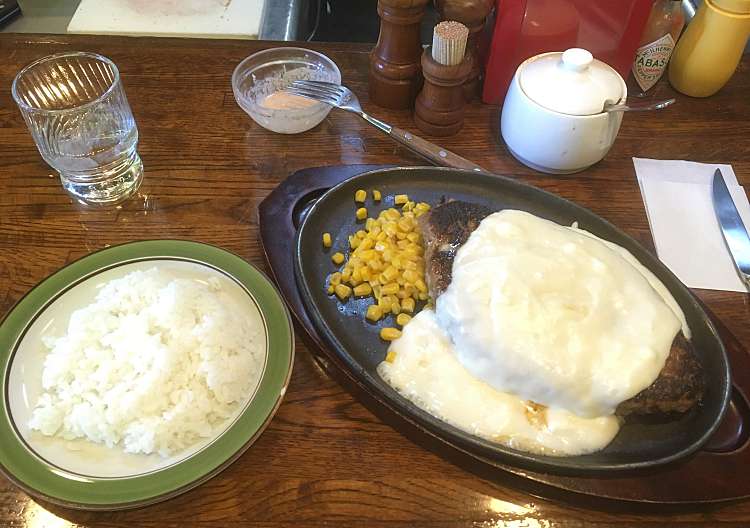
(431, 152)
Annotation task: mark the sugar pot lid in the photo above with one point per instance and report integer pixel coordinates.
(572, 82)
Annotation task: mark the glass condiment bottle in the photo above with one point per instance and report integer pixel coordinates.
(657, 43)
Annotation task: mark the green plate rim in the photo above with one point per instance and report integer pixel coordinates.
(42, 480)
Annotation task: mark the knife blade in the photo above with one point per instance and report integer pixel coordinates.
(732, 228)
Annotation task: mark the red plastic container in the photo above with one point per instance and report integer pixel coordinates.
(609, 29)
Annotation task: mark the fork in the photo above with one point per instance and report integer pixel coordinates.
(342, 97)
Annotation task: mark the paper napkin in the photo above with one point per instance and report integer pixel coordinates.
(688, 239)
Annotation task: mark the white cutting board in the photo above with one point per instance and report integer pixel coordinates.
(177, 18)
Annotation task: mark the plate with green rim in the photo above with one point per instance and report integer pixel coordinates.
(81, 474)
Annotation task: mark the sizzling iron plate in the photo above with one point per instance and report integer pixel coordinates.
(641, 443)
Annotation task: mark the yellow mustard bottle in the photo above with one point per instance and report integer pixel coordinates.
(711, 47)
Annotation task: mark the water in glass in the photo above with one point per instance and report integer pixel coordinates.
(79, 117)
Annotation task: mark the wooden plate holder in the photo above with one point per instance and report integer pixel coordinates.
(715, 474)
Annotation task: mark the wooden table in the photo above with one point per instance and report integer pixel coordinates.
(325, 459)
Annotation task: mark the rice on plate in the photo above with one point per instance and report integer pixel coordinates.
(155, 364)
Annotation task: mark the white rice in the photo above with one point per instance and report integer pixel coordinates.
(155, 364)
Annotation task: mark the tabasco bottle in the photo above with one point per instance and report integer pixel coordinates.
(659, 38)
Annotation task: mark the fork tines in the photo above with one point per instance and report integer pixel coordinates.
(324, 92)
(311, 94)
(333, 87)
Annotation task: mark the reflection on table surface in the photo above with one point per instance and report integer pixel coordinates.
(500, 514)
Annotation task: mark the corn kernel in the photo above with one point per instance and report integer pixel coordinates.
(392, 214)
(342, 292)
(413, 237)
(327, 240)
(411, 276)
(374, 312)
(361, 234)
(422, 206)
(407, 305)
(389, 334)
(390, 273)
(360, 196)
(361, 213)
(423, 296)
(337, 258)
(366, 244)
(389, 289)
(390, 357)
(330, 290)
(335, 278)
(410, 252)
(385, 303)
(402, 319)
(376, 195)
(400, 199)
(362, 290)
(421, 286)
(395, 306)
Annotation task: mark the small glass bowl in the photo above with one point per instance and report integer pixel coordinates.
(272, 70)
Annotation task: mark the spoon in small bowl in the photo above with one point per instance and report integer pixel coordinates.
(638, 107)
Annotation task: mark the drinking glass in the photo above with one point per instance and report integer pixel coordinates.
(79, 117)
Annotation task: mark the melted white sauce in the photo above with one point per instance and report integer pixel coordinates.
(426, 371)
(537, 312)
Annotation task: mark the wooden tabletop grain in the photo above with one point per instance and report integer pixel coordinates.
(325, 459)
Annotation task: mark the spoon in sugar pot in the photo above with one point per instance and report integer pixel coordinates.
(638, 107)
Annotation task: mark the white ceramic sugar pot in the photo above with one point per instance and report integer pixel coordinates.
(553, 118)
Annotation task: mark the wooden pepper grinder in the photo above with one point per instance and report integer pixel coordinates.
(395, 73)
(473, 14)
(439, 110)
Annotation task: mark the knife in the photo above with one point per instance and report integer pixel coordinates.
(732, 228)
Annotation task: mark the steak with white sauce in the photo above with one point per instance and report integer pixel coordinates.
(447, 226)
